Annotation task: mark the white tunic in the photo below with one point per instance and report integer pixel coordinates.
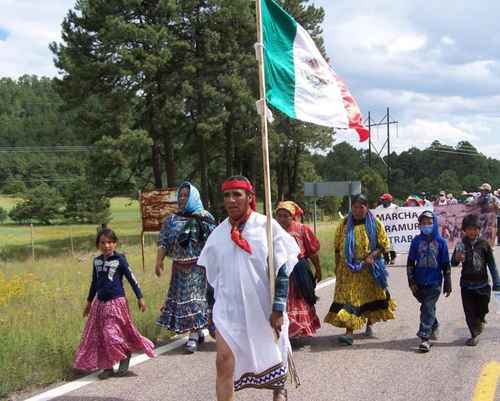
(242, 301)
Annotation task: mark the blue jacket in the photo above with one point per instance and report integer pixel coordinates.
(107, 278)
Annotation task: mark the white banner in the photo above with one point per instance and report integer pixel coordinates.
(401, 224)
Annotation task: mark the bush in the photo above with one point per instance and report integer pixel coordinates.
(14, 188)
(42, 204)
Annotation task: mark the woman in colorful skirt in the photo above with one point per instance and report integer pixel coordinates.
(182, 238)
(110, 336)
(361, 291)
(301, 296)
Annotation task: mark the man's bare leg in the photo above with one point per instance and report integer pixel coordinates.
(225, 370)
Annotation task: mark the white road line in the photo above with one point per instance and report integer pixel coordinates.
(136, 360)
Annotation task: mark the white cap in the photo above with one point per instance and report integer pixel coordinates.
(485, 187)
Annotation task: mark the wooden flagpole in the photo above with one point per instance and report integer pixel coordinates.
(265, 147)
(267, 170)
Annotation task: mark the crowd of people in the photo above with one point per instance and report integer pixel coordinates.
(219, 280)
(484, 195)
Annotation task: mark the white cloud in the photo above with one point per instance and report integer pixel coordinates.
(32, 25)
(446, 40)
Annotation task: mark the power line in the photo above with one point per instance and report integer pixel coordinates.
(44, 149)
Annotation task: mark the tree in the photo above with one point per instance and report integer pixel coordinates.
(373, 185)
(42, 203)
(85, 203)
(120, 53)
(448, 181)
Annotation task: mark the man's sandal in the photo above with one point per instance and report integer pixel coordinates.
(280, 395)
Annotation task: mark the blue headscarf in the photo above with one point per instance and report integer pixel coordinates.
(194, 204)
(378, 269)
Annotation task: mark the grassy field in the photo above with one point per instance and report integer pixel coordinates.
(41, 303)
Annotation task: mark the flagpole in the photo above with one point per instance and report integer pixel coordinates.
(265, 147)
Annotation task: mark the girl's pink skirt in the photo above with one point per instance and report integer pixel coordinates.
(109, 336)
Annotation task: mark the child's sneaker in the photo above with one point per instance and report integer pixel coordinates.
(192, 343)
(425, 346)
(123, 367)
(472, 342)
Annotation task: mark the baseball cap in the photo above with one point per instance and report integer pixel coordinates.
(485, 187)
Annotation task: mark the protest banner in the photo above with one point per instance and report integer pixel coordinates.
(450, 222)
(401, 224)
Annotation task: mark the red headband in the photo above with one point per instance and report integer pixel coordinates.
(241, 184)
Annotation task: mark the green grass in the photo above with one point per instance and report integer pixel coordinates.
(41, 303)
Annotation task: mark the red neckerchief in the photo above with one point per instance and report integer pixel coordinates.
(236, 233)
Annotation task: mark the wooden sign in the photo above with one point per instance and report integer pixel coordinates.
(155, 207)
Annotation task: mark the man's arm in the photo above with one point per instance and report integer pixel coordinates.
(281, 290)
(490, 261)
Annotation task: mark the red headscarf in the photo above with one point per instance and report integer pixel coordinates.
(235, 232)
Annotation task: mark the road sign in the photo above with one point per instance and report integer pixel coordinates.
(332, 188)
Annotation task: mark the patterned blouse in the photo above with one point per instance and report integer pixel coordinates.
(184, 236)
(305, 238)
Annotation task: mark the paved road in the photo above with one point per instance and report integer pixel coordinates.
(382, 369)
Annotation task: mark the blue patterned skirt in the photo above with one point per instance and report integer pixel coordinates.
(185, 308)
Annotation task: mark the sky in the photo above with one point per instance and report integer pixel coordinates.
(435, 64)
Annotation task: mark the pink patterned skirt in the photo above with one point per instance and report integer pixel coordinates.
(109, 336)
(303, 318)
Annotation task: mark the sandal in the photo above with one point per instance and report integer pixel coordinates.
(280, 395)
(105, 374)
(123, 367)
(346, 340)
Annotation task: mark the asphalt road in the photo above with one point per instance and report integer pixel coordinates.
(385, 368)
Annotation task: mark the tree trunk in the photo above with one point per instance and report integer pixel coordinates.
(203, 171)
(156, 157)
(169, 161)
(293, 177)
(229, 148)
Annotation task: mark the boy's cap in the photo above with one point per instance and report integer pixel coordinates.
(427, 213)
(442, 193)
(485, 187)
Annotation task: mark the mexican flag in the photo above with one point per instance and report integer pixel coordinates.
(299, 81)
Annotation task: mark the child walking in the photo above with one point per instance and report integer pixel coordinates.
(428, 262)
(475, 254)
(109, 335)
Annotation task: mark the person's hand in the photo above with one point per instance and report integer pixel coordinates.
(369, 260)
(141, 304)
(277, 321)
(447, 286)
(460, 257)
(86, 310)
(159, 270)
(318, 275)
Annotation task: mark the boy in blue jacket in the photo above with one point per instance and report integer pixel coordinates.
(428, 263)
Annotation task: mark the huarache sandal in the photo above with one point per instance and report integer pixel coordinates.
(346, 340)
(280, 395)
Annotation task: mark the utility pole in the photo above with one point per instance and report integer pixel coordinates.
(388, 151)
(386, 121)
(370, 140)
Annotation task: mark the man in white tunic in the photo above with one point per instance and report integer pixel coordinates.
(235, 259)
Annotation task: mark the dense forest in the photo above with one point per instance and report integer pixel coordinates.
(154, 93)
